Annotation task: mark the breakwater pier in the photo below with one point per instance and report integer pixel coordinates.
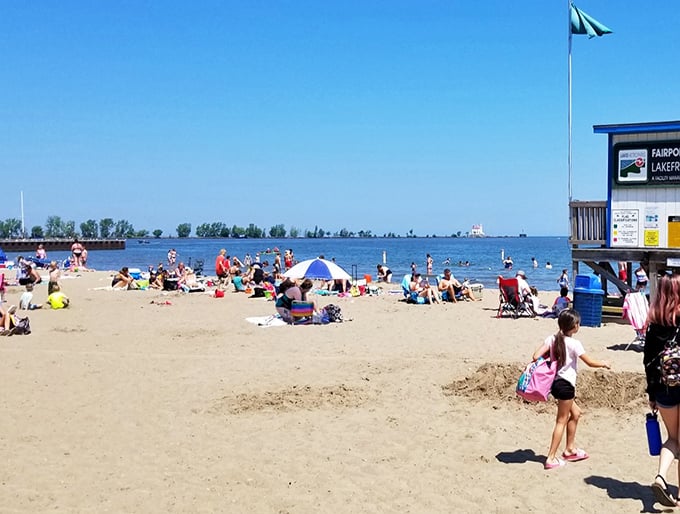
(29, 245)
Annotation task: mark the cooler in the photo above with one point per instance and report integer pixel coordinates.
(477, 290)
(588, 298)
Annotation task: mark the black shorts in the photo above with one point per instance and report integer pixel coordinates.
(667, 397)
(562, 390)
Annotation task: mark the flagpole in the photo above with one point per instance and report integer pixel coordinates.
(569, 229)
(23, 227)
(569, 102)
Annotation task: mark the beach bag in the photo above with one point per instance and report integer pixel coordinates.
(334, 313)
(22, 326)
(536, 380)
(670, 363)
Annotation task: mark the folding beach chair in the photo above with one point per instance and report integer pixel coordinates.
(510, 300)
(302, 312)
(635, 309)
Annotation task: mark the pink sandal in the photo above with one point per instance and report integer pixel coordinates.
(559, 464)
(578, 455)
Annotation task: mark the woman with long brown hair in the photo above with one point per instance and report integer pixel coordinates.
(663, 325)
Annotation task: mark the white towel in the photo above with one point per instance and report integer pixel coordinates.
(635, 309)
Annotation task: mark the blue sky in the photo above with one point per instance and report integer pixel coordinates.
(382, 116)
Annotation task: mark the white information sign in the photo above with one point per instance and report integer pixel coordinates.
(625, 227)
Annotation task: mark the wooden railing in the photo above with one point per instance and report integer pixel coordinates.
(588, 223)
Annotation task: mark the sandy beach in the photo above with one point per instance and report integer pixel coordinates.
(142, 401)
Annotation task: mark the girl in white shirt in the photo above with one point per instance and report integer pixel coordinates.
(566, 351)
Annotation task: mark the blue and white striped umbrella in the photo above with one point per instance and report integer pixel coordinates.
(317, 269)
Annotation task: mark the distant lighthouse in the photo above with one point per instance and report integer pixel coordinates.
(477, 231)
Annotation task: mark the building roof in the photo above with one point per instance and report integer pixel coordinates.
(638, 128)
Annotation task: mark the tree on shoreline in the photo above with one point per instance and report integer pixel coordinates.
(107, 228)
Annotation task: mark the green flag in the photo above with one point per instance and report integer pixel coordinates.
(581, 23)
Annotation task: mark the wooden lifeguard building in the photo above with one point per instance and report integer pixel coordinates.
(640, 220)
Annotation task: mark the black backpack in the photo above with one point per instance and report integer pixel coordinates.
(22, 326)
(334, 313)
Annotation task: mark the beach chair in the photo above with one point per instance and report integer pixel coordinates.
(635, 309)
(302, 312)
(510, 300)
(406, 286)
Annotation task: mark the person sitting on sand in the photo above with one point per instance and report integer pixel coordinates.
(26, 300)
(288, 291)
(562, 302)
(450, 284)
(7, 320)
(123, 280)
(422, 288)
(57, 299)
(158, 279)
(180, 274)
(26, 272)
(237, 280)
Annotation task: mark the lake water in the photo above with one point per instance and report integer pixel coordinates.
(362, 255)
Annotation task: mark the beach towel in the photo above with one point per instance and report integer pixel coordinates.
(635, 308)
(267, 321)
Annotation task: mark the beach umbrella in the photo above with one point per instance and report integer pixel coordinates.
(317, 269)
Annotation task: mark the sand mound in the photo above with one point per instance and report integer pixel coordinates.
(293, 398)
(595, 389)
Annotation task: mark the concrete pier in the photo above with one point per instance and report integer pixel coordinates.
(30, 245)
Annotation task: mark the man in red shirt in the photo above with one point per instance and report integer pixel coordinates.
(222, 266)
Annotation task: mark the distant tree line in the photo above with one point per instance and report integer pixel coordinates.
(106, 228)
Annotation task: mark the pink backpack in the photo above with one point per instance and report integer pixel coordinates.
(535, 382)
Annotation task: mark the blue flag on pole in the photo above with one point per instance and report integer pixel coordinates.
(581, 23)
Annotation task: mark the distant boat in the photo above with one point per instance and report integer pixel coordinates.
(143, 241)
(522, 234)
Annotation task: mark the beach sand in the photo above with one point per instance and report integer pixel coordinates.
(123, 403)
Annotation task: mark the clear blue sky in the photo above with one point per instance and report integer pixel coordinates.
(369, 115)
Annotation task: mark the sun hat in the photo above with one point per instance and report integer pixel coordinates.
(521, 273)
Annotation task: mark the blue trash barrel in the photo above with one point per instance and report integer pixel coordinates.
(588, 298)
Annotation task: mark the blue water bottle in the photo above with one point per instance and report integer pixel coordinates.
(653, 434)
